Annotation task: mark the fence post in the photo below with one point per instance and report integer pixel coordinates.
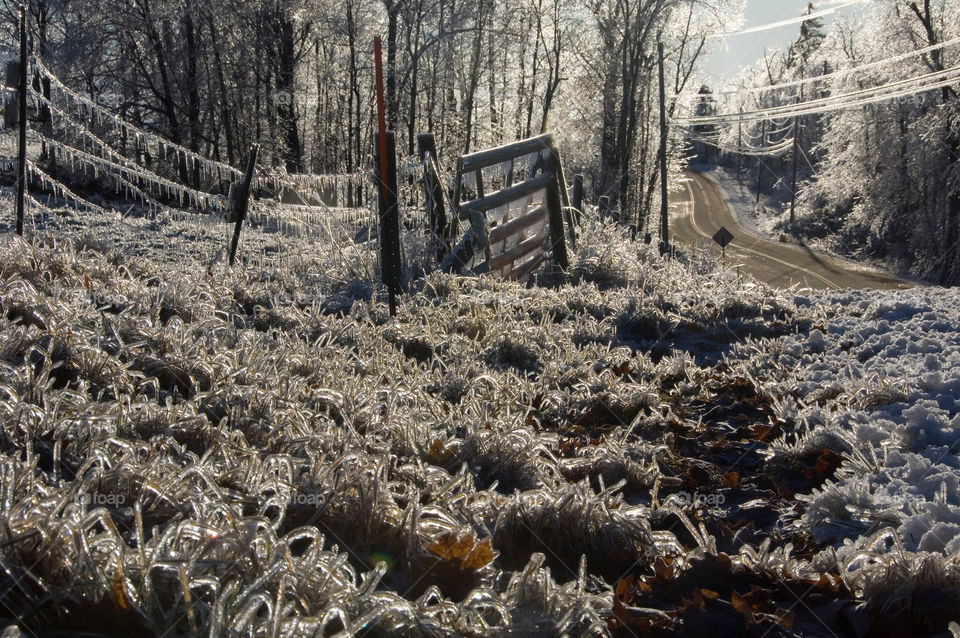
(577, 199)
(391, 268)
(22, 94)
(434, 192)
(603, 206)
(555, 216)
(242, 200)
(564, 195)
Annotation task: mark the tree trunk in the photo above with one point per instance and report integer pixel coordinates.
(285, 96)
(393, 10)
(225, 115)
(193, 92)
(474, 78)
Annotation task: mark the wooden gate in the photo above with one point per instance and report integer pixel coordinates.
(513, 229)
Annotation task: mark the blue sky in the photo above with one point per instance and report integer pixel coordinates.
(743, 50)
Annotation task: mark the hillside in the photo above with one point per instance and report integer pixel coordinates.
(642, 447)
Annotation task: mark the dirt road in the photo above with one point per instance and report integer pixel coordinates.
(700, 210)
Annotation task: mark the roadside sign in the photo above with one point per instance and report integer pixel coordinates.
(723, 237)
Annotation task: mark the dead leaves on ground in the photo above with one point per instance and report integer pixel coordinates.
(456, 562)
(463, 550)
(715, 595)
(823, 468)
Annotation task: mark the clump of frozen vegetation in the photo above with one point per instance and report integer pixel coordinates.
(190, 449)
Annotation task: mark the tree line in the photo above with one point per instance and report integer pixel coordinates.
(879, 180)
(297, 76)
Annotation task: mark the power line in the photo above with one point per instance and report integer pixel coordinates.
(782, 23)
(871, 95)
(773, 150)
(841, 72)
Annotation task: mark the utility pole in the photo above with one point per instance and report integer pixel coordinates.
(664, 232)
(22, 95)
(763, 142)
(793, 180)
(740, 147)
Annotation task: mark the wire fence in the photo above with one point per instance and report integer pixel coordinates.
(82, 149)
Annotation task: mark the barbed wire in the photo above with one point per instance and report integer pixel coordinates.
(93, 153)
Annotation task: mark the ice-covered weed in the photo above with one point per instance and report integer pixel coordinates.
(905, 594)
(514, 459)
(540, 606)
(266, 450)
(610, 463)
(570, 521)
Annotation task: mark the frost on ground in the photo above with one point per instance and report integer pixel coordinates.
(642, 447)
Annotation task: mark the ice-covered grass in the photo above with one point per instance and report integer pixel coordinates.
(636, 446)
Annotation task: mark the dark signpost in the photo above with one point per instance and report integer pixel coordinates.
(723, 237)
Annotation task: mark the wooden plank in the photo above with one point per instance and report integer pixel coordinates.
(507, 195)
(461, 255)
(557, 235)
(557, 166)
(457, 185)
(489, 157)
(577, 201)
(523, 271)
(435, 194)
(515, 225)
(436, 197)
(519, 251)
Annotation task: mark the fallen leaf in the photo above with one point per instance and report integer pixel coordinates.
(620, 612)
(464, 550)
(742, 607)
(623, 587)
(119, 591)
(731, 479)
(786, 619)
(663, 569)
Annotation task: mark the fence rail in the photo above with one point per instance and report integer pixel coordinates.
(504, 239)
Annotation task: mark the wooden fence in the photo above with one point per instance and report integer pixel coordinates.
(515, 227)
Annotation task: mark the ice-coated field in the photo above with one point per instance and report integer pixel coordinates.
(639, 447)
